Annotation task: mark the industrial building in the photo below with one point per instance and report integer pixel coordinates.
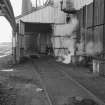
(67, 31)
(42, 27)
(91, 18)
(61, 27)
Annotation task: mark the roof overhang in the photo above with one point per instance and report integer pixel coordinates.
(47, 14)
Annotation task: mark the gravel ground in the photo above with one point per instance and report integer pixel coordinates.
(7, 95)
(95, 84)
(60, 85)
(20, 85)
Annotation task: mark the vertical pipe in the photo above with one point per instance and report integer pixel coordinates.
(14, 46)
(84, 24)
(93, 18)
(36, 3)
(85, 27)
(104, 29)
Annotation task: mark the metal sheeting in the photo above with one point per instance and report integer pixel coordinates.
(46, 14)
(92, 34)
(89, 36)
(58, 47)
(98, 12)
(80, 17)
(64, 37)
(63, 41)
(29, 39)
(43, 42)
(98, 38)
(62, 44)
(36, 42)
(90, 15)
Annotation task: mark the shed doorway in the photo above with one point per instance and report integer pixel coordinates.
(37, 38)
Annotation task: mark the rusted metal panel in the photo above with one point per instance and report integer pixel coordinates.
(93, 25)
(43, 42)
(89, 36)
(99, 12)
(28, 41)
(22, 28)
(80, 17)
(36, 42)
(90, 15)
(21, 34)
(98, 38)
(96, 6)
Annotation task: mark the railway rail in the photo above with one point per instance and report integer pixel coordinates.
(58, 85)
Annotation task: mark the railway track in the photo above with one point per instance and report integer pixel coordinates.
(58, 85)
(43, 85)
(62, 69)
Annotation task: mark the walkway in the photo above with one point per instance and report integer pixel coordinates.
(42, 81)
(59, 85)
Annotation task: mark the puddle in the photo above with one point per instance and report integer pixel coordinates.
(7, 70)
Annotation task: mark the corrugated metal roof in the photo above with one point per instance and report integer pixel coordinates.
(47, 14)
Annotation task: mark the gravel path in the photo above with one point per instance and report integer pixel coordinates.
(42, 82)
(26, 85)
(95, 84)
(59, 86)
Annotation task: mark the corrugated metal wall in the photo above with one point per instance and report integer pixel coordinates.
(92, 21)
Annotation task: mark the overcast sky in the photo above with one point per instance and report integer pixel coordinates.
(5, 28)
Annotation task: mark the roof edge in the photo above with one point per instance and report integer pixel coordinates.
(31, 11)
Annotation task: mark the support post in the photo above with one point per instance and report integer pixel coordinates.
(14, 47)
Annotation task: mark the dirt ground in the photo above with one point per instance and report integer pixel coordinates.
(19, 85)
(84, 75)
